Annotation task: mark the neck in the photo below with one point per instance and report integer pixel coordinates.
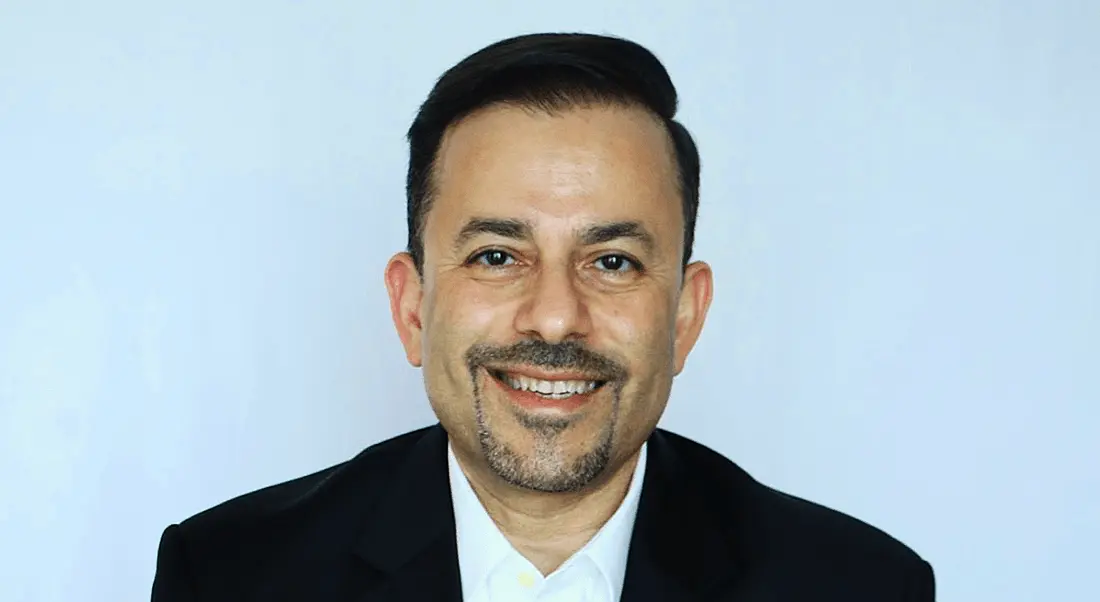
(548, 528)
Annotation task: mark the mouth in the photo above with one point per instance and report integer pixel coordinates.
(548, 387)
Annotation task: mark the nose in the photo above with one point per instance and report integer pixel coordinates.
(554, 310)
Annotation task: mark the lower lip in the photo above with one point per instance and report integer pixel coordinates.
(534, 401)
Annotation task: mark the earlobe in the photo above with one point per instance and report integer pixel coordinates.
(405, 291)
(695, 298)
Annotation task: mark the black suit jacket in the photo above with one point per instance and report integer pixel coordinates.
(380, 527)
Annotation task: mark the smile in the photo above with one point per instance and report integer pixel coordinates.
(549, 389)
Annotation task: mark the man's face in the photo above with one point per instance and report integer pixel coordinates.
(553, 309)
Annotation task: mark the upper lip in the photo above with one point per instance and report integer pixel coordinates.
(537, 374)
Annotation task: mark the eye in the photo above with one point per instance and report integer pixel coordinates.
(616, 263)
(493, 258)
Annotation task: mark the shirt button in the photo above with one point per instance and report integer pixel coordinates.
(526, 580)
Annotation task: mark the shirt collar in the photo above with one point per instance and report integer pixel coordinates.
(481, 545)
(608, 548)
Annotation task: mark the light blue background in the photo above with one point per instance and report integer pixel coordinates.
(900, 202)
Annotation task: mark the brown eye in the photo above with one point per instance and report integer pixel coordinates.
(494, 258)
(615, 263)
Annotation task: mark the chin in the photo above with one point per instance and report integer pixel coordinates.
(546, 453)
(549, 472)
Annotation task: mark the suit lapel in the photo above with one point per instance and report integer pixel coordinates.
(681, 547)
(409, 539)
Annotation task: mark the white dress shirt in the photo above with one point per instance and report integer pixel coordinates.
(493, 571)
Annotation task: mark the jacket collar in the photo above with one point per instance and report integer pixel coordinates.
(685, 538)
(409, 535)
(681, 547)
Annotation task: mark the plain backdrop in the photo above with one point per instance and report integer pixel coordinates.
(900, 200)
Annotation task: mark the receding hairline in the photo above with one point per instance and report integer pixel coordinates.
(556, 109)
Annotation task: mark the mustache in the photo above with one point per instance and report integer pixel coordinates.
(568, 355)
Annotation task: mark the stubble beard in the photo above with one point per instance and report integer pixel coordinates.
(546, 468)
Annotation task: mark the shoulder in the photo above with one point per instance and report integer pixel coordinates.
(374, 462)
(322, 505)
(282, 540)
(781, 529)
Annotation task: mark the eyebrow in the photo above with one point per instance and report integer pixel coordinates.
(506, 228)
(601, 233)
(521, 230)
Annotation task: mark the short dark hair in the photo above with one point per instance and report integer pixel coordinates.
(549, 72)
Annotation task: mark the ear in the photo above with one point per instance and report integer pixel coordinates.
(695, 297)
(406, 291)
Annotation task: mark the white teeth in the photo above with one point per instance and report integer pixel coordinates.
(550, 388)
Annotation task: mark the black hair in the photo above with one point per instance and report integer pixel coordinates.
(549, 72)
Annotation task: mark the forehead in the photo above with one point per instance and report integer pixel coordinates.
(580, 165)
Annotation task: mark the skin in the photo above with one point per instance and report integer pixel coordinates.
(553, 248)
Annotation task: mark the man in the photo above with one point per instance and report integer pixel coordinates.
(548, 295)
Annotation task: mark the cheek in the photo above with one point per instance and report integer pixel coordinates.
(637, 325)
(468, 309)
(461, 316)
